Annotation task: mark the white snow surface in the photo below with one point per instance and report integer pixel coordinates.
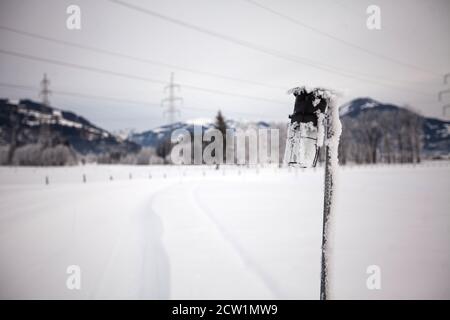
(346, 108)
(234, 233)
(200, 121)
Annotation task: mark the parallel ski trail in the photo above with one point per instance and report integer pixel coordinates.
(203, 264)
(251, 264)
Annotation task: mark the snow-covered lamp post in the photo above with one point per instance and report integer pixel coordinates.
(314, 123)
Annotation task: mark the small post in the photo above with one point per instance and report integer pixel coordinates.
(333, 132)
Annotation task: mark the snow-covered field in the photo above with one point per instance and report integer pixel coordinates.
(198, 233)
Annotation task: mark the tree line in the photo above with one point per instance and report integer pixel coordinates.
(373, 136)
(389, 136)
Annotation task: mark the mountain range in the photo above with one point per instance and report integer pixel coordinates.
(154, 137)
(28, 121)
(436, 132)
(25, 119)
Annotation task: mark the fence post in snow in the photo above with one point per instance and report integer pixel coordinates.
(47, 181)
(333, 132)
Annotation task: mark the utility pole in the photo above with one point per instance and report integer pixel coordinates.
(442, 93)
(446, 77)
(45, 91)
(328, 193)
(171, 99)
(444, 109)
(14, 119)
(332, 133)
(44, 130)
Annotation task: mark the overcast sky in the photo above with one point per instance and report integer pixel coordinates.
(327, 44)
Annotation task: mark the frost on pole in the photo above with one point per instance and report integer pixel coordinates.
(315, 123)
(306, 131)
(333, 133)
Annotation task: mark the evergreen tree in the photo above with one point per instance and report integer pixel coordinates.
(163, 149)
(221, 125)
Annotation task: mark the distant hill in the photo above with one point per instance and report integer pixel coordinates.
(27, 119)
(436, 132)
(156, 136)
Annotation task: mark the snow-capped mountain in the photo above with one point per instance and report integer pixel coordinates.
(123, 134)
(436, 131)
(152, 138)
(26, 119)
(354, 107)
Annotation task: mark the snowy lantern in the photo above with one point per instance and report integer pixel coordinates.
(306, 131)
(315, 119)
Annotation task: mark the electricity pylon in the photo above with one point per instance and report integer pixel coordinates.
(442, 93)
(44, 130)
(45, 90)
(444, 109)
(446, 77)
(171, 99)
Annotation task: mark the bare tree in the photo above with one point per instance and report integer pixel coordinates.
(387, 136)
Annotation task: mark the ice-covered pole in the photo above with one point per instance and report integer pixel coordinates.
(333, 132)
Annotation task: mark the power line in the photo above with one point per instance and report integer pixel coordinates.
(137, 59)
(118, 100)
(274, 53)
(77, 94)
(134, 77)
(81, 95)
(345, 42)
(144, 60)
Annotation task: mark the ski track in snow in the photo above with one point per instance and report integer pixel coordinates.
(152, 265)
(266, 278)
(223, 236)
(203, 242)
